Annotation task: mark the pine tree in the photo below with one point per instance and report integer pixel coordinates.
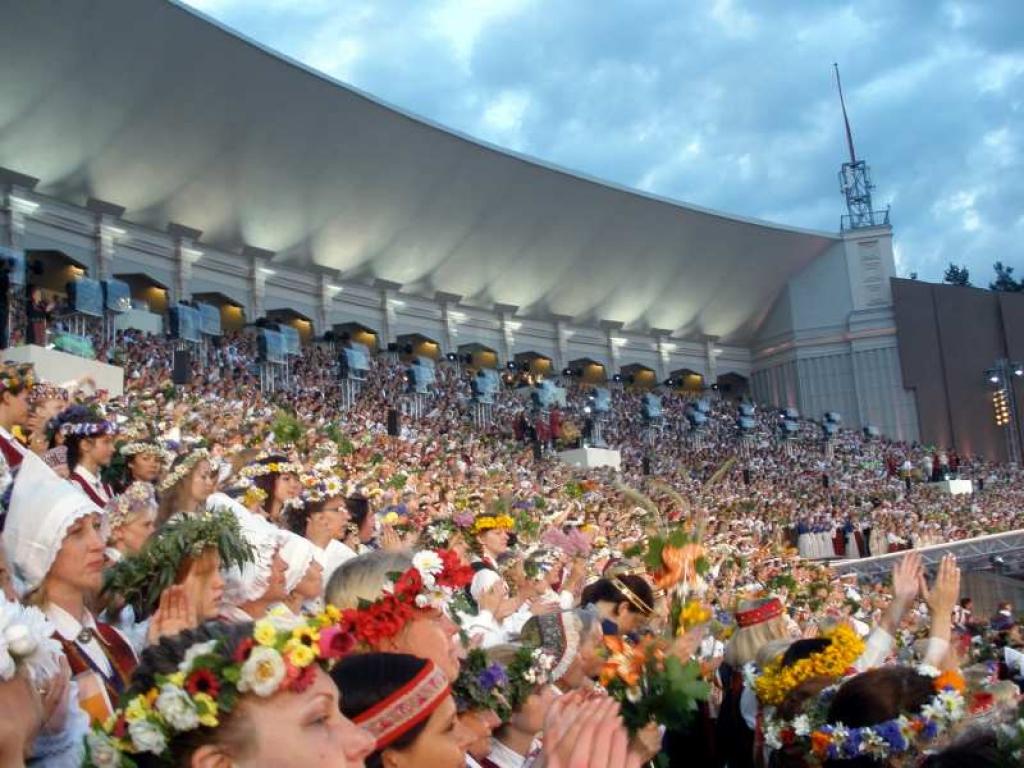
(957, 275)
(1004, 279)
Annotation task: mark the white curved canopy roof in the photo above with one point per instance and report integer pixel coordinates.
(153, 107)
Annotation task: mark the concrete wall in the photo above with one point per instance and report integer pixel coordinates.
(829, 341)
(948, 336)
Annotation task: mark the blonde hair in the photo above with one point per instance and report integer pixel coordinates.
(747, 641)
(363, 577)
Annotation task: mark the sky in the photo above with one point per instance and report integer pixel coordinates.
(726, 104)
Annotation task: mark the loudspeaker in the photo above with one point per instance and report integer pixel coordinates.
(646, 463)
(394, 425)
(181, 371)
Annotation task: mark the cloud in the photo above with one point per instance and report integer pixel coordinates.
(729, 104)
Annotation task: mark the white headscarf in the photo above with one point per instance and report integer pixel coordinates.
(297, 552)
(250, 581)
(43, 507)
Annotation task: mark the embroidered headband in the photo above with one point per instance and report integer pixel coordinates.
(410, 705)
(762, 613)
(631, 596)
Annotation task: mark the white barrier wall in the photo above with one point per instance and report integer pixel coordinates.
(61, 368)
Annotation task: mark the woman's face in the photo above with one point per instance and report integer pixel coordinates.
(628, 619)
(79, 562)
(100, 449)
(481, 723)
(287, 487)
(530, 717)
(441, 744)
(312, 583)
(295, 730)
(432, 635)
(130, 536)
(201, 482)
(494, 541)
(334, 517)
(205, 585)
(17, 406)
(145, 467)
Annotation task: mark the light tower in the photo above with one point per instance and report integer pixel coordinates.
(855, 182)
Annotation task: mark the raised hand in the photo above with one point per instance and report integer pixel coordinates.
(172, 616)
(944, 592)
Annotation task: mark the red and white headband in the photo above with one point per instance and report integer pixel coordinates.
(403, 710)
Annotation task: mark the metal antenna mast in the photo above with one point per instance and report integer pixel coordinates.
(855, 181)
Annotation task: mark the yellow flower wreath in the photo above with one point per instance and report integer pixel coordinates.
(775, 683)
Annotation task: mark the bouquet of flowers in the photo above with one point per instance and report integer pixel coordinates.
(651, 684)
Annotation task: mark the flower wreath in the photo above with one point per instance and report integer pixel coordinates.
(431, 583)
(141, 578)
(185, 466)
(271, 468)
(482, 685)
(88, 428)
(903, 735)
(16, 378)
(253, 496)
(280, 655)
(529, 669)
(142, 447)
(835, 661)
(317, 487)
(490, 522)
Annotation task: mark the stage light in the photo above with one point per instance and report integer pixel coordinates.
(451, 357)
(1018, 371)
(617, 378)
(994, 378)
(586, 409)
(511, 365)
(567, 372)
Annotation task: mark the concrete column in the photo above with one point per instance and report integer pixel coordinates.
(665, 348)
(710, 359)
(562, 336)
(506, 313)
(185, 255)
(259, 269)
(613, 330)
(387, 290)
(106, 232)
(15, 206)
(449, 320)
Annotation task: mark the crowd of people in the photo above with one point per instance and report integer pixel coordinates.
(224, 573)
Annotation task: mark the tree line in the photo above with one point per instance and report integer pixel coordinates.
(958, 274)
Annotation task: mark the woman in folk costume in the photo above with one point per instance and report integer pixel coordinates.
(53, 540)
(131, 520)
(187, 486)
(181, 566)
(406, 704)
(89, 439)
(406, 613)
(323, 519)
(41, 722)
(241, 695)
(252, 588)
(16, 383)
(481, 698)
(278, 479)
(530, 696)
(141, 461)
